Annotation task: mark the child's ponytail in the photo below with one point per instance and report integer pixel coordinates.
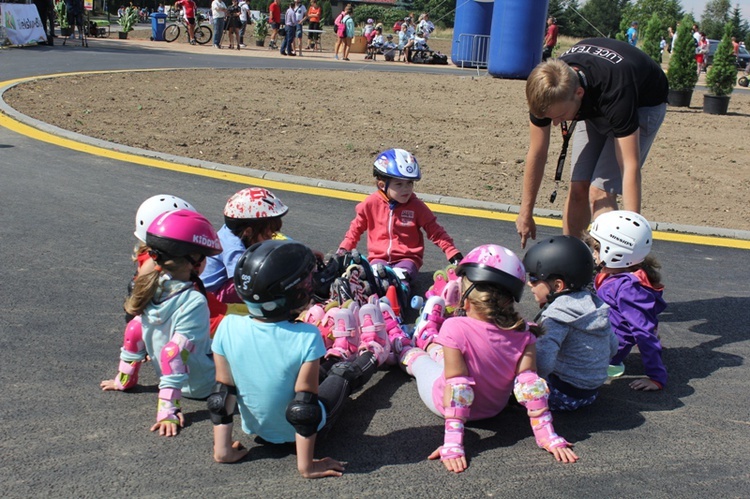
(146, 285)
(144, 290)
(496, 305)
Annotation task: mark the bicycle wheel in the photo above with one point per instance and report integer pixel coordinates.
(171, 33)
(203, 34)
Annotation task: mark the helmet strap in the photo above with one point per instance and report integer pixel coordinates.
(461, 311)
(197, 281)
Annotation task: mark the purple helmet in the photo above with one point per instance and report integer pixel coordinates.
(183, 232)
(496, 265)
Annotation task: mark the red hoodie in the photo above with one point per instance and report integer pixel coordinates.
(394, 232)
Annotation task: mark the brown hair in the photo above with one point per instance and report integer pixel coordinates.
(549, 83)
(495, 305)
(145, 285)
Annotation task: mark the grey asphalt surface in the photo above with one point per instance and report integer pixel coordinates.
(66, 226)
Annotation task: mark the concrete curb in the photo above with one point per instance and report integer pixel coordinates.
(341, 186)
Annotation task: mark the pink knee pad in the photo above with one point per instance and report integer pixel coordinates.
(531, 391)
(133, 341)
(174, 355)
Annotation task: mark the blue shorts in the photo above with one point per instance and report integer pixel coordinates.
(299, 31)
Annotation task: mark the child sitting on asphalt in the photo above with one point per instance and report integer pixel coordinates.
(467, 366)
(394, 218)
(174, 316)
(573, 355)
(630, 283)
(250, 216)
(267, 363)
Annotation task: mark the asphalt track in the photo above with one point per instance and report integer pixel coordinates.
(66, 224)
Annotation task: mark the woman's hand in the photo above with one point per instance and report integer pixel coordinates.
(456, 465)
(169, 428)
(321, 468)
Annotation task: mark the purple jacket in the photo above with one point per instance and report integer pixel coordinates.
(634, 308)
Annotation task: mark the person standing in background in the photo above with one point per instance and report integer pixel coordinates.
(550, 39)
(632, 33)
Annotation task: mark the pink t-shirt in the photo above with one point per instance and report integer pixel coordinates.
(491, 355)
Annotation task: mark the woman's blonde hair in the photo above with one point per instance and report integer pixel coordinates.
(549, 83)
(145, 285)
(495, 305)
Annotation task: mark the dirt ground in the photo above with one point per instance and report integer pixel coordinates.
(469, 133)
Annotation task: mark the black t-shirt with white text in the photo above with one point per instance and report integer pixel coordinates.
(617, 79)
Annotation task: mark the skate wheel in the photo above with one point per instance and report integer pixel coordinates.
(440, 275)
(331, 305)
(417, 302)
(616, 371)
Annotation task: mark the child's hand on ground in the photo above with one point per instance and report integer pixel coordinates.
(236, 452)
(456, 465)
(564, 454)
(320, 468)
(645, 385)
(169, 428)
(108, 385)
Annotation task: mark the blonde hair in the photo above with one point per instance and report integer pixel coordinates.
(495, 305)
(146, 285)
(551, 82)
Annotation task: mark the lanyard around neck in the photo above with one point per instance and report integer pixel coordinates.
(567, 132)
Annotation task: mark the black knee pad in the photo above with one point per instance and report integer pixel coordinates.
(304, 413)
(220, 405)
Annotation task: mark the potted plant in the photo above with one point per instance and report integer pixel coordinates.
(683, 71)
(261, 30)
(61, 14)
(128, 19)
(721, 76)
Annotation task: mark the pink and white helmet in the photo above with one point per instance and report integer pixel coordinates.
(624, 236)
(252, 203)
(497, 265)
(153, 207)
(183, 232)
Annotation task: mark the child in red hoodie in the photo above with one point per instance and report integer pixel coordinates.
(394, 218)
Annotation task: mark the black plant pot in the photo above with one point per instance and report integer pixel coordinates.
(260, 43)
(123, 35)
(679, 98)
(715, 104)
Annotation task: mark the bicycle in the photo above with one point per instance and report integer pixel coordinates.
(203, 34)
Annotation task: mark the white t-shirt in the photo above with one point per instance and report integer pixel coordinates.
(218, 9)
(244, 12)
(300, 12)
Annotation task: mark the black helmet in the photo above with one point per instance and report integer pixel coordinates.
(564, 256)
(273, 278)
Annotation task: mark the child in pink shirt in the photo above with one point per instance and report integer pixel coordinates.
(468, 369)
